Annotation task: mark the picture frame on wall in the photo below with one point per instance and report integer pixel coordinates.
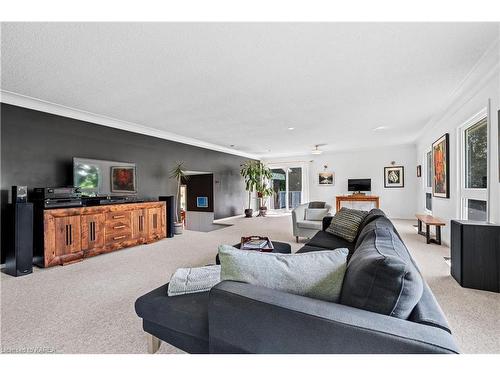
(394, 177)
(441, 167)
(123, 180)
(419, 171)
(202, 202)
(326, 178)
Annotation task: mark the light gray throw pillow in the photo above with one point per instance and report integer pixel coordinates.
(315, 214)
(317, 274)
(193, 280)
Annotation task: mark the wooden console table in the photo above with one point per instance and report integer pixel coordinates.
(357, 198)
(67, 235)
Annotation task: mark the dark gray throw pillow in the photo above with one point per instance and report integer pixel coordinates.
(381, 276)
(317, 204)
(346, 223)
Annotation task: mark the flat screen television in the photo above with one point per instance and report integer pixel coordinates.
(359, 184)
(104, 177)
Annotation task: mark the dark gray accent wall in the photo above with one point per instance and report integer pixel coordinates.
(37, 149)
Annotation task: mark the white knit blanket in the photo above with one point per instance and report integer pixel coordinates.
(193, 280)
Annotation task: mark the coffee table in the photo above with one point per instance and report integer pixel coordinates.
(279, 247)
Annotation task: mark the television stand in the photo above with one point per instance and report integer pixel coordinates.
(357, 198)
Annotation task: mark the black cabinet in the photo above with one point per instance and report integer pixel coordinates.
(475, 254)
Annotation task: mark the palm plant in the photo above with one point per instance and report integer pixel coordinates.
(178, 174)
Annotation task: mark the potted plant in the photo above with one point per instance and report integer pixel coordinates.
(255, 174)
(178, 174)
(263, 193)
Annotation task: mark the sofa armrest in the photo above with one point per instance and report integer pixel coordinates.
(249, 319)
(326, 221)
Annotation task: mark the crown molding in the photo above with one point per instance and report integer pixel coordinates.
(9, 97)
(478, 77)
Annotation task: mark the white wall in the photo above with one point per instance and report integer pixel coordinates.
(470, 98)
(366, 163)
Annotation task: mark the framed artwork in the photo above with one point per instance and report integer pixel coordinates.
(325, 178)
(394, 177)
(123, 180)
(419, 171)
(202, 202)
(441, 167)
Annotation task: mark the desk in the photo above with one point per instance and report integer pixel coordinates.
(357, 198)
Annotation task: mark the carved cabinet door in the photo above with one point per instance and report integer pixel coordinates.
(140, 224)
(92, 233)
(155, 223)
(63, 240)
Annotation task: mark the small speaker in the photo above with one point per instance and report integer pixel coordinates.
(19, 194)
(170, 214)
(19, 255)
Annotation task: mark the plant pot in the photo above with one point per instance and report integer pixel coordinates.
(248, 212)
(178, 228)
(262, 211)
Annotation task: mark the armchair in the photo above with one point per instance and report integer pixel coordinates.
(303, 227)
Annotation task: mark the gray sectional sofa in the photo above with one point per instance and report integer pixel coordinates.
(241, 318)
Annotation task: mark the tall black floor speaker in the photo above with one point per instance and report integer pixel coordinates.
(475, 254)
(19, 252)
(170, 214)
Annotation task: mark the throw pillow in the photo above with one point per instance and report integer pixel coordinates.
(315, 214)
(193, 280)
(316, 204)
(317, 274)
(346, 223)
(381, 276)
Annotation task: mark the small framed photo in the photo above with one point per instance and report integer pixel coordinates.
(123, 180)
(326, 178)
(394, 177)
(202, 202)
(419, 171)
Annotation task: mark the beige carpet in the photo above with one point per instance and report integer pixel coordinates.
(88, 307)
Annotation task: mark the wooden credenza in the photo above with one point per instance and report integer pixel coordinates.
(357, 198)
(72, 234)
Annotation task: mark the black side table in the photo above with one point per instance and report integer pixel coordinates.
(279, 247)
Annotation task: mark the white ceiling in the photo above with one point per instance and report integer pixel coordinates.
(245, 84)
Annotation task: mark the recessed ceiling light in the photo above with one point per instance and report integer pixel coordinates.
(378, 128)
(231, 145)
(290, 128)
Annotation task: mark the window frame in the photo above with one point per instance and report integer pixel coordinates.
(465, 193)
(427, 189)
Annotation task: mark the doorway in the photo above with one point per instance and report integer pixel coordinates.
(287, 185)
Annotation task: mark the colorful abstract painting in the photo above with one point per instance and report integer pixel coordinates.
(441, 164)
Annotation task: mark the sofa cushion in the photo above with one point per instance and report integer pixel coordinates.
(309, 224)
(374, 214)
(186, 314)
(376, 223)
(329, 241)
(316, 214)
(315, 274)
(381, 276)
(346, 223)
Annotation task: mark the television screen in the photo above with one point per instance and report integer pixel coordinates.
(104, 177)
(359, 184)
(86, 176)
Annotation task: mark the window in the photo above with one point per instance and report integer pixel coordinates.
(474, 169)
(428, 181)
